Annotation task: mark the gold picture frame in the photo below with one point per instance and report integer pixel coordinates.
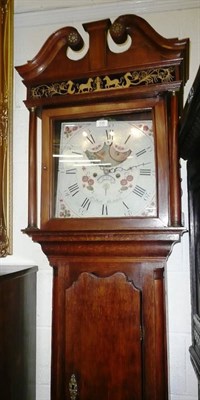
(6, 111)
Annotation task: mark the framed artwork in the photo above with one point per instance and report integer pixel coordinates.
(6, 90)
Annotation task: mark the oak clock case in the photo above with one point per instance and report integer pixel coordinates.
(110, 208)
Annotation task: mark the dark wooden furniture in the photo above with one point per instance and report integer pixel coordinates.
(108, 332)
(189, 142)
(17, 332)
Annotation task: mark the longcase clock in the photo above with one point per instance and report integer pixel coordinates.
(110, 207)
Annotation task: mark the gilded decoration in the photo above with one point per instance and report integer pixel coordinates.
(103, 83)
(6, 72)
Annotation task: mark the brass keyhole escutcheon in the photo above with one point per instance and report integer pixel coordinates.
(73, 387)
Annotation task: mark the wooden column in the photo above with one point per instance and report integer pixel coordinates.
(32, 189)
(175, 189)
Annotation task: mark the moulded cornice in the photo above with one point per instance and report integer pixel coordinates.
(162, 51)
(157, 243)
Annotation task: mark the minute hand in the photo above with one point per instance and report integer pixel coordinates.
(128, 169)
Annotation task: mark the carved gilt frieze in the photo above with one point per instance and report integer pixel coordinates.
(103, 83)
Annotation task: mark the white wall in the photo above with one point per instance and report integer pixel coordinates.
(31, 30)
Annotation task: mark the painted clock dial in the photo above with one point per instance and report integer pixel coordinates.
(105, 168)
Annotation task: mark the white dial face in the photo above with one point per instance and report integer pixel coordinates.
(106, 168)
